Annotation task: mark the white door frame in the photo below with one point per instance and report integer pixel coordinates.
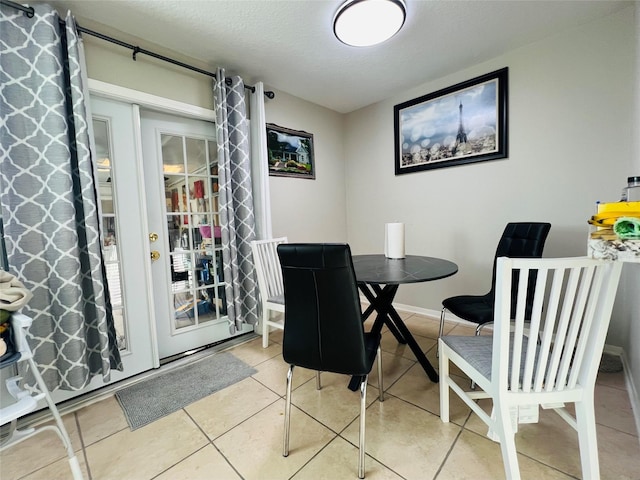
(147, 100)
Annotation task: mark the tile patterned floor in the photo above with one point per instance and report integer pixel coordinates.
(236, 433)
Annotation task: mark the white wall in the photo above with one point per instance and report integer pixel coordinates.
(113, 64)
(631, 273)
(570, 131)
(307, 210)
(573, 140)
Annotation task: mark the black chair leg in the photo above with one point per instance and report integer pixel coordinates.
(441, 331)
(380, 384)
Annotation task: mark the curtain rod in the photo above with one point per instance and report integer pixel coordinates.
(136, 50)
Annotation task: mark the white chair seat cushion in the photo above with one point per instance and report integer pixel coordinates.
(478, 351)
(279, 299)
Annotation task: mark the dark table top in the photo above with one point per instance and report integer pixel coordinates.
(378, 269)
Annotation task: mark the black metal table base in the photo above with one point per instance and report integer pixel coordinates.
(381, 301)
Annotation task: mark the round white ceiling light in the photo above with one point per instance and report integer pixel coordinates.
(362, 23)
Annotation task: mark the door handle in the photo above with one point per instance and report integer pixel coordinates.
(155, 255)
(153, 237)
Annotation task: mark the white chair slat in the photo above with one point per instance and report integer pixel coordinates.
(577, 315)
(516, 356)
(564, 321)
(534, 326)
(594, 284)
(269, 275)
(544, 374)
(272, 269)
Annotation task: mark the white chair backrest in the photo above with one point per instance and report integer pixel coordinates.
(268, 271)
(571, 312)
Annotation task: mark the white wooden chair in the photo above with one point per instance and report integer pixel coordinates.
(554, 363)
(26, 402)
(269, 273)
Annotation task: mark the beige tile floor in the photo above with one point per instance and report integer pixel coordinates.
(236, 433)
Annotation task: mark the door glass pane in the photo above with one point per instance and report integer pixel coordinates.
(193, 231)
(196, 155)
(212, 148)
(172, 154)
(110, 248)
(173, 193)
(213, 198)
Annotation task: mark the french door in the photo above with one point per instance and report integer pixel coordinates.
(181, 182)
(158, 183)
(158, 188)
(121, 194)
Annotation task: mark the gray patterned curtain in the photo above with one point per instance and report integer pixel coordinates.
(48, 197)
(236, 200)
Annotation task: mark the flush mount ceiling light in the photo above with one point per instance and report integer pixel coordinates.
(362, 23)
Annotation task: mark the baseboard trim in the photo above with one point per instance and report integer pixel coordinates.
(631, 388)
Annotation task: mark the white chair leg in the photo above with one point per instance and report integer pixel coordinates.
(363, 410)
(587, 438)
(443, 367)
(504, 430)
(441, 331)
(265, 327)
(287, 412)
(380, 383)
(513, 415)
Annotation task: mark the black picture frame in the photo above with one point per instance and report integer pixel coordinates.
(290, 152)
(430, 131)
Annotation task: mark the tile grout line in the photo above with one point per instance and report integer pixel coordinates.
(453, 444)
(181, 460)
(338, 434)
(315, 455)
(82, 445)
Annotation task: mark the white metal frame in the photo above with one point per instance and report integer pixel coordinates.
(26, 402)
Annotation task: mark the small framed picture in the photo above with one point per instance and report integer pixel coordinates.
(461, 124)
(290, 152)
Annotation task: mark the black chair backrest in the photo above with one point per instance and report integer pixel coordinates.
(521, 240)
(323, 318)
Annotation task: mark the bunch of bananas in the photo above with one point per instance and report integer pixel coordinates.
(607, 219)
(608, 214)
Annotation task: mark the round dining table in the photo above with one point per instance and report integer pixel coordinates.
(378, 279)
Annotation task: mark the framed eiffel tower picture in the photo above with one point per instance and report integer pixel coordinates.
(464, 123)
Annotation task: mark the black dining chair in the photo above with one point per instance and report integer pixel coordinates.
(323, 329)
(519, 240)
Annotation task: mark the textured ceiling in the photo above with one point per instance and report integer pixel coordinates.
(289, 44)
